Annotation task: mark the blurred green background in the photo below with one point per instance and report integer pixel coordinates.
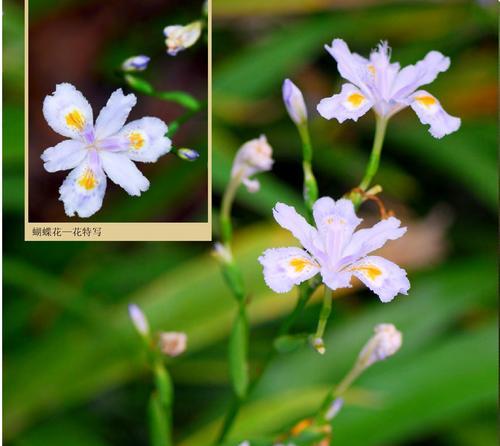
(74, 371)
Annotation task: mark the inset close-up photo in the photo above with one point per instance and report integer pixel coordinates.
(117, 102)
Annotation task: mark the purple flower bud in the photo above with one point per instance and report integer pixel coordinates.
(138, 319)
(136, 63)
(294, 102)
(188, 154)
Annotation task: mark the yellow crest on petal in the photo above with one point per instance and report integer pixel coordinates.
(136, 140)
(355, 99)
(426, 101)
(75, 119)
(370, 271)
(88, 180)
(299, 263)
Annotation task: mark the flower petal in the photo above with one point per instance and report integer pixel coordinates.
(114, 114)
(122, 171)
(350, 103)
(286, 267)
(68, 113)
(83, 190)
(288, 218)
(146, 139)
(368, 240)
(429, 111)
(351, 66)
(63, 156)
(384, 278)
(336, 222)
(336, 279)
(423, 72)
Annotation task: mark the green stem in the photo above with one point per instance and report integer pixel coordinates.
(305, 292)
(373, 163)
(310, 185)
(323, 319)
(226, 206)
(174, 125)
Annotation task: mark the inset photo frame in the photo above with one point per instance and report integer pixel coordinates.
(117, 121)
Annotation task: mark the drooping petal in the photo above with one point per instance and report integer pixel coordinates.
(351, 66)
(423, 72)
(123, 172)
(384, 278)
(114, 114)
(368, 240)
(350, 103)
(83, 190)
(68, 113)
(286, 267)
(146, 139)
(429, 111)
(336, 222)
(63, 156)
(288, 218)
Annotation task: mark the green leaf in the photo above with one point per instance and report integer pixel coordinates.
(290, 343)
(238, 354)
(139, 84)
(181, 98)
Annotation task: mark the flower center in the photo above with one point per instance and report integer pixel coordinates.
(88, 181)
(75, 120)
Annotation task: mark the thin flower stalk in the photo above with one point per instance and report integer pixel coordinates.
(385, 342)
(161, 399)
(297, 110)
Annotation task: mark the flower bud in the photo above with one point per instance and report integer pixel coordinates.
(136, 63)
(138, 319)
(188, 154)
(221, 253)
(253, 157)
(385, 342)
(334, 409)
(294, 102)
(180, 37)
(172, 343)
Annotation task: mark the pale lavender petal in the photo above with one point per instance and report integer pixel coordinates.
(384, 278)
(68, 113)
(336, 222)
(336, 279)
(286, 267)
(350, 103)
(123, 172)
(146, 139)
(82, 192)
(114, 114)
(63, 156)
(429, 111)
(383, 72)
(351, 66)
(288, 218)
(368, 240)
(423, 72)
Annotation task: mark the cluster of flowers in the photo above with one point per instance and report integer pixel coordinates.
(333, 247)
